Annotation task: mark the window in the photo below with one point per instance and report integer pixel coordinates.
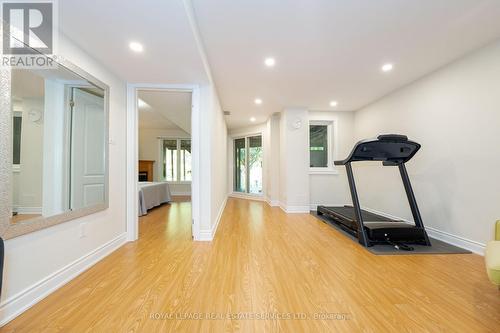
(17, 121)
(320, 146)
(170, 160)
(248, 165)
(176, 160)
(185, 161)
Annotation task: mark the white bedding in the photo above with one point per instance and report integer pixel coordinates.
(152, 194)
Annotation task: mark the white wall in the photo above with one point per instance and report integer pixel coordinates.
(27, 181)
(289, 181)
(213, 162)
(455, 114)
(282, 180)
(332, 189)
(149, 149)
(219, 162)
(272, 160)
(294, 160)
(35, 257)
(323, 188)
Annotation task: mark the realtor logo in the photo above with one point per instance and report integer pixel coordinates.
(28, 32)
(28, 28)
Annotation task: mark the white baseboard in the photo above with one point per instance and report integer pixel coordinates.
(17, 304)
(205, 236)
(473, 246)
(315, 206)
(184, 194)
(247, 196)
(27, 210)
(272, 203)
(294, 209)
(208, 235)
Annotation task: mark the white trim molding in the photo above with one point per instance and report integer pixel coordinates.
(315, 206)
(473, 246)
(273, 203)
(19, 303)
(333, 147)
(208, 235)
(27, 210)
(247, 196)
(133, 153)
(294, 209)
(323, 171)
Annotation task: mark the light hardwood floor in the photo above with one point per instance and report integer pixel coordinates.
(22, 217)
(265, 262)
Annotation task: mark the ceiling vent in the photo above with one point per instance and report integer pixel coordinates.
(227, 113)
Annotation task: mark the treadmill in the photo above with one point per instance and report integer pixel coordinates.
(370, 228)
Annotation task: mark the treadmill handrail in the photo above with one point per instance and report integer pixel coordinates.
(391, 149)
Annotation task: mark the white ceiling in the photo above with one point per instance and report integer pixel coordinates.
(166, 110)
(151, 119)
(105, 28)
(325, 49)
(332, 49)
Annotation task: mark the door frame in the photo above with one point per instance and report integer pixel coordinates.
(133, 153)
(69, 150)
(231, 160)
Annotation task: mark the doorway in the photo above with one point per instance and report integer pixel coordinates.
(248, 165)
(163, 150)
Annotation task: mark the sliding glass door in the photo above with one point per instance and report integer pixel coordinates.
(248, 165)
(255, 164)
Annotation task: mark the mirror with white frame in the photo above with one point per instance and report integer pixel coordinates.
(58, 147)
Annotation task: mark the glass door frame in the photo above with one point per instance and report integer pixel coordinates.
(247, 137)
(236, 170)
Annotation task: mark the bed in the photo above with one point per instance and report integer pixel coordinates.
(152, 194)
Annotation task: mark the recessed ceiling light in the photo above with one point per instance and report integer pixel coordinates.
(387, 67)
(136, 47)
(253, 119)
(270, 62)
(258, 101)
(334, 104)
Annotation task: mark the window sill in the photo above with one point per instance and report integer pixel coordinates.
(323, 171)
(16, 168)
(179, 183)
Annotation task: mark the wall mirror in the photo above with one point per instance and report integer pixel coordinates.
(57, 142)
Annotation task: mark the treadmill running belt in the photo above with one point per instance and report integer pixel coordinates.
(348, 213)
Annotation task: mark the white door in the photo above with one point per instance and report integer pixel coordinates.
(87, 150)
